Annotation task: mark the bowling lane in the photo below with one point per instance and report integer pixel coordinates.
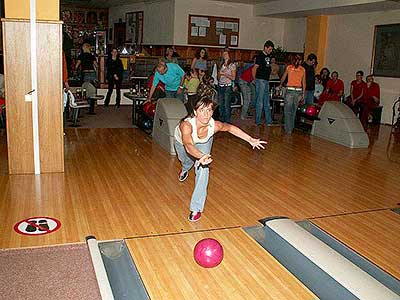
(168, 269)
(374, 235)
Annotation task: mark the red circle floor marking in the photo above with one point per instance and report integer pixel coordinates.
(52, 223)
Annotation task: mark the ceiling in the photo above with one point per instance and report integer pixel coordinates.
(367, 6)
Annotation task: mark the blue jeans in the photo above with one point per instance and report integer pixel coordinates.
(292, 99)
(246, 89)
(309, 97)
(224, 103)
(174, 94)
(262, 101)
(202, 173)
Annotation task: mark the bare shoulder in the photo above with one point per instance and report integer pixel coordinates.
(185, 127)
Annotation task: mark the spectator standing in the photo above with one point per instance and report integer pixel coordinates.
(226, 77)
(247, 88)
(87, 63)
(200, 60)
(115, 71)
(309, 67)
(261, 72)
(169, 56)
(295, 91)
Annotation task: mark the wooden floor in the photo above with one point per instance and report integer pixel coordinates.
(375, 235)
(258, 275)
(119, 184)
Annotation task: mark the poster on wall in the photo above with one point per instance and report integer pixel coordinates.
(386, 57)
(194, 31)
(234, 40)
(203, 31)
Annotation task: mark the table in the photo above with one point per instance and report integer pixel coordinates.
(136, 100)
(92, 101)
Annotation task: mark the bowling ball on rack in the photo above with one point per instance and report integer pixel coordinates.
(146, 107)
(302, 108)
(208, 253)
(311, 110)
(147, 124)
(151, 111)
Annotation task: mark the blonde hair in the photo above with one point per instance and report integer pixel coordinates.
(86, 47)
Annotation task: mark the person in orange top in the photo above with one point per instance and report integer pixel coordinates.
(371, 100)
(295, 91)
(334, 89)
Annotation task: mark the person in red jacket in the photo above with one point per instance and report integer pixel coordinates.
(334, 89)
(247, 88)
(371, 100)
(357, 92)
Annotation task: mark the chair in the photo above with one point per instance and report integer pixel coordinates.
(236, 101)
(396, 116)
(91, 96)
(75, 106)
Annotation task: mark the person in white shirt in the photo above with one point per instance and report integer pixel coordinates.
(193, 142)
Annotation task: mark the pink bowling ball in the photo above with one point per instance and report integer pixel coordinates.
(311, 111)
(208, 253)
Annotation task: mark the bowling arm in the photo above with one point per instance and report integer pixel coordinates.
(152, 89)
(187, 140)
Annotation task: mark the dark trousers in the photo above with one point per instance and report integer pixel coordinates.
(366, 109)
(111, 83)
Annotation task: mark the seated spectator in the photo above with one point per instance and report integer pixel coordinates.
(357, 92)
(325, 76)
(370, 101)
(319, 88)
(333, 91)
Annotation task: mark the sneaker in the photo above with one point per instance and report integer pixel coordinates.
(183, 176)
(194, 216)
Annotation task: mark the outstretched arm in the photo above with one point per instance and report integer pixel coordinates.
(236, 131)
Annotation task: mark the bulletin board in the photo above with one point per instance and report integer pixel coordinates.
(213, 31)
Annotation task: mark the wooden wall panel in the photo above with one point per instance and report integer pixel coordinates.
(50, 97)
(17, 84)
(317, 29)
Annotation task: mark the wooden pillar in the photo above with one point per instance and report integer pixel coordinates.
(317, 27)
(16, 41)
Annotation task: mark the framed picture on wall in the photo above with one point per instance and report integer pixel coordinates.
(386, 54)
(134, 27)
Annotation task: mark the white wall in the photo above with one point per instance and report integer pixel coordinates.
(349, 49)
(158, 27)
(253, 31)
(294, 35)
